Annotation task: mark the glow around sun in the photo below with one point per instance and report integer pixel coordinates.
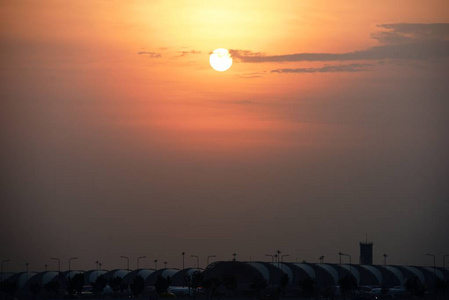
(220, 59)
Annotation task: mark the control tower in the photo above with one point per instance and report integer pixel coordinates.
(366, 253)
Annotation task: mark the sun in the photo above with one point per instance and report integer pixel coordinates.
(220, 59)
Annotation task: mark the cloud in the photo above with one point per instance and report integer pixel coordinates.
(150, 54)
(406, 41)
(327, 69)
(185, 53)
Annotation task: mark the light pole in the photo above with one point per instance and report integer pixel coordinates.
(210, 256)
(272, 257)
(59, 263)
(197, 261)
(138, 260)
(385, 259)
(4, 261)
(321, 259)
(282, 257)
(350, 263)
(127, 260)
(183, 254)
(155, 264)
(45, 267)
(234, 254)
(165, 264)
(278, 255)
(70, 260)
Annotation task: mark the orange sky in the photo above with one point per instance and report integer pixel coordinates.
(94, 88)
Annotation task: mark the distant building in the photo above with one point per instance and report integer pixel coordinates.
(366, 253)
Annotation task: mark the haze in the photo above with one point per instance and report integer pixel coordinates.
(118, 138)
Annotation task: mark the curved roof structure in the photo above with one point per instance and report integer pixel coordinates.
(71, 273)
(306, 268)
(417, 273)
(262, 270)
(353, 270)
(397, 273)
(438, 273)
(151, 280)
(21, 278)
(116, 273)
(331, 270)
(179, 279)
(92, 275)
(375, 272)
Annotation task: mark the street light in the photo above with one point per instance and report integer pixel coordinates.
(183, 254)
(127, 260)
(70, 260)
(210, 256)
(321, 258)
(272, 257)
(59, 263)
(278, 255)
(385, 259)
(234, 254)
(197, 261)
(165, 265)
(138, 260)
(350, 263)
(155, 264)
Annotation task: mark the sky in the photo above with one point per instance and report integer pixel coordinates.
(119, 139)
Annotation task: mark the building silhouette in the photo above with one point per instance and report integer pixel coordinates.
(366, 253)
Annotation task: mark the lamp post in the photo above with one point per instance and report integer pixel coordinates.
(210, 256)
(59, 263)
(278, 255)
(165, 264)
(183, 254)
(350, 263)
(155, 264)
(197, 261)
(321, 258)
(234, 255)
(127, 261)
(272, 257)
(70, 260)
(385, 259)
(45, 266)
(140, 257)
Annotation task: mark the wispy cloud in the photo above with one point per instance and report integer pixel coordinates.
(327, 69)
(188, 52)
(150, 54)
(400, 41)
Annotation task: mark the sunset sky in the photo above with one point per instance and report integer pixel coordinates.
(118, 138)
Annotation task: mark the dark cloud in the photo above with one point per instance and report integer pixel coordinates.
(327, 69)
(401, 33)
(401, 41)
(150, 54)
